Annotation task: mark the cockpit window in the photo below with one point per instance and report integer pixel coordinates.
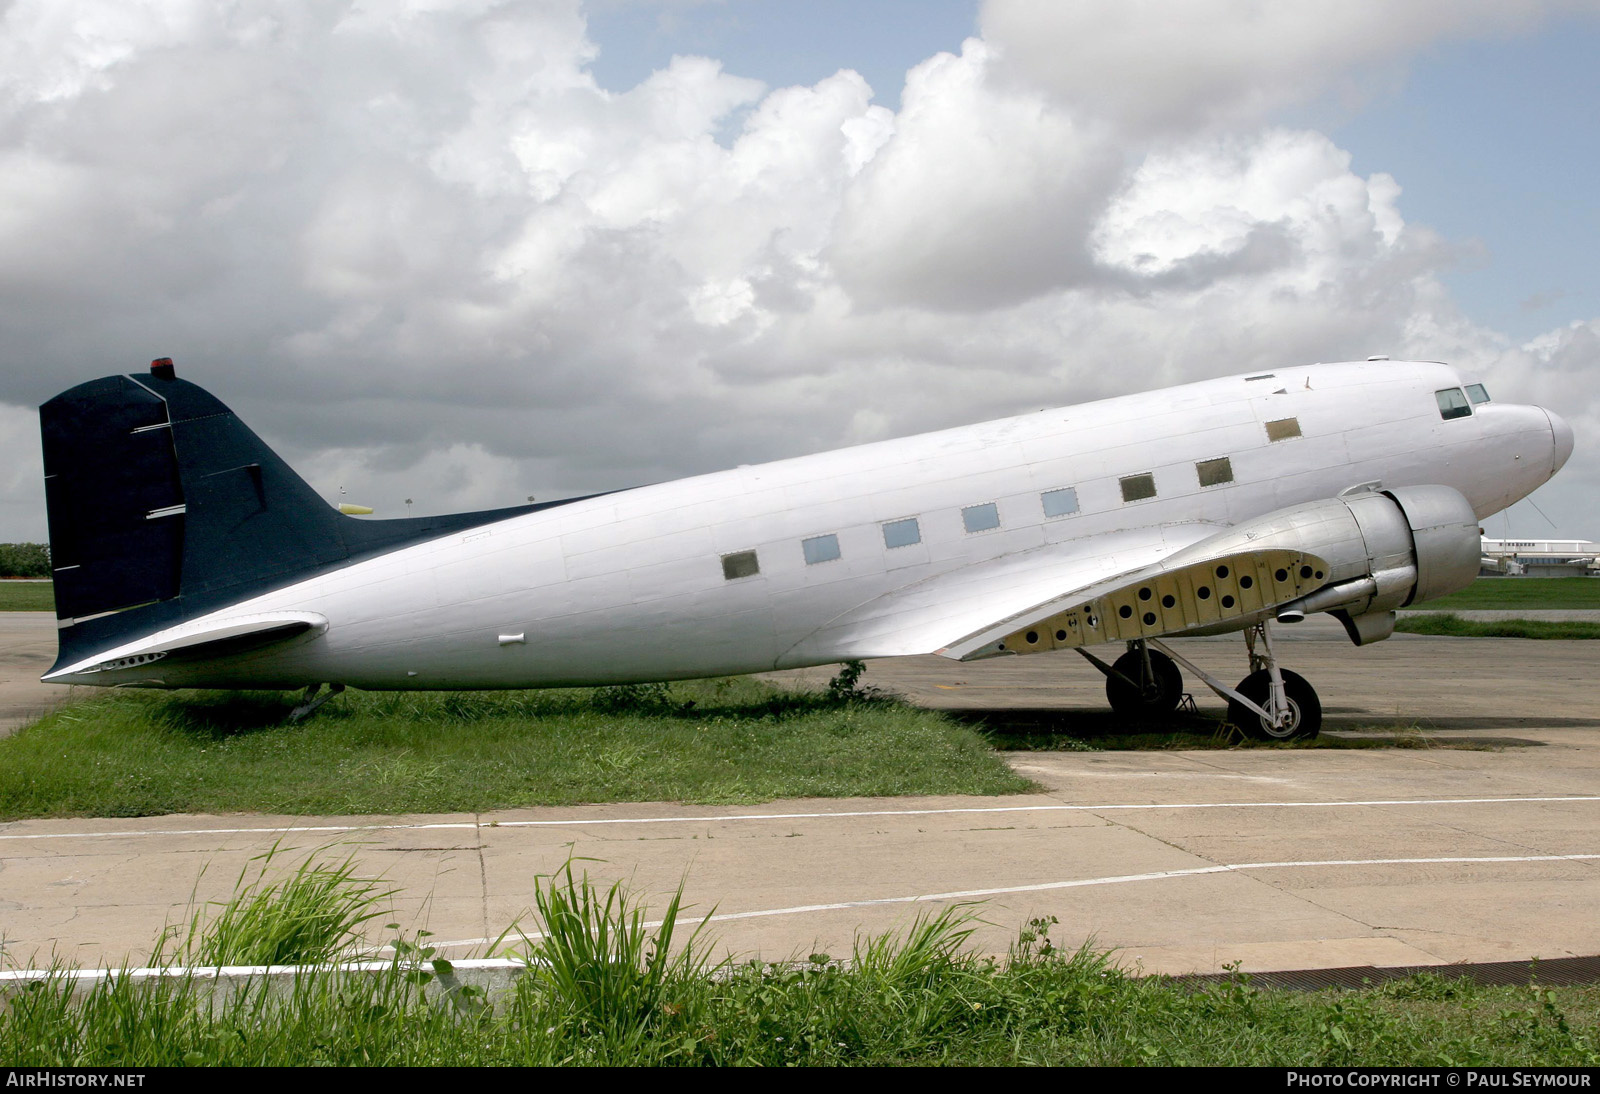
(1477, 393)
(1453, 403)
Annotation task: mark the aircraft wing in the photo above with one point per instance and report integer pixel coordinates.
(1194, 592)
(1136, 583)
(932, 614)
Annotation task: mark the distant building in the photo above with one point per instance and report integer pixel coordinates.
(1540, 557)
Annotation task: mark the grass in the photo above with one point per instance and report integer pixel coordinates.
(605, 987)
(27, 596)
(307, 917)
(610, 971)
(1448, 623)
(1512, 593)
(129, 753)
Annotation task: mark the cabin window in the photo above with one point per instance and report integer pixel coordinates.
(740, 564)
(1453, 403)
(981, 518)
(1138, 487)
(1215, 472)
(902, 533)
(1060, 503)
(1283, 429)
(820, 549)
(1477, 393)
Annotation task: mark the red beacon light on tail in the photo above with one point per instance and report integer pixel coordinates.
(161, 368)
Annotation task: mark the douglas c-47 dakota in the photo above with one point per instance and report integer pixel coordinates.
(187, 554)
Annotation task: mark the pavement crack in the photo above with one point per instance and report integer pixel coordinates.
(1250, 876)
(483, 875)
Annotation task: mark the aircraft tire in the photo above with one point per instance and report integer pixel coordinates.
(1306, 709)
(1157, 701)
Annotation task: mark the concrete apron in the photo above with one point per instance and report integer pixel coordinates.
(1180, 861)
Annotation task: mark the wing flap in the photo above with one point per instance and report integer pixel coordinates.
(1215, 592)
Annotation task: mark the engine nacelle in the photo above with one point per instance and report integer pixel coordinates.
(1448, 540)
(1384, 550)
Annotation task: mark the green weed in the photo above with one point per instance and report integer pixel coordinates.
(308, 917)
(602, 967)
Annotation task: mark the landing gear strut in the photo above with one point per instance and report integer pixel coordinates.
(1272, 703)
(1291, 707)
(312, 701)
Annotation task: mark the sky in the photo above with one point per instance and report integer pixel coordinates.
(449, 254)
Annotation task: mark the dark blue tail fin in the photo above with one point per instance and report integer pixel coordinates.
(164, 506)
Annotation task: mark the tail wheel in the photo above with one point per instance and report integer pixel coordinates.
(1305, 709)
(1158, 692)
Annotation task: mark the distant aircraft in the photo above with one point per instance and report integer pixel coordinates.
(187, 554)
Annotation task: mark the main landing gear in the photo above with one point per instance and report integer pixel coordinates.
(1143, 683)
(1270, 704)
(312, 701)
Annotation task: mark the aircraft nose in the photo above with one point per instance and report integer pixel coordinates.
(1561, 435)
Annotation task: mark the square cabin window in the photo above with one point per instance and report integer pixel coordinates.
(1477, 393)
(1283, 429)
(820, 549)
(1453, 403)
(902, 533)
(1139, 487)
(1060, 503)
(980, 518)
(740, 564)
(1215, 472)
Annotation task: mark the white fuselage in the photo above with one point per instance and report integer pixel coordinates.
(631, 586)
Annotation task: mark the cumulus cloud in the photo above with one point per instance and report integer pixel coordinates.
(982, 198)
(1209, 205)
(420, 249)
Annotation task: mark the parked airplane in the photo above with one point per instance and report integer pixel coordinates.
(187, 554)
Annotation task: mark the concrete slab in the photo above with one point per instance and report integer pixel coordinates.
(27, 650)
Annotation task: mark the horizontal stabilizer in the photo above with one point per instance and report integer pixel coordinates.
(213, 638)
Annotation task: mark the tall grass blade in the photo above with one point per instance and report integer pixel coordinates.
(308, 917)
(602, 963)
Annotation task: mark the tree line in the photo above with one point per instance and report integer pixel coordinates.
(24, 560)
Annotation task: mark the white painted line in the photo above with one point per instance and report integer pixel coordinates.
(1157, 875)
(715, 819)
(1082, 883)
(241, 972)
(284, 830)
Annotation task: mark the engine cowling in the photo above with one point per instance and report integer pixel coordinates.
(1384, 549)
